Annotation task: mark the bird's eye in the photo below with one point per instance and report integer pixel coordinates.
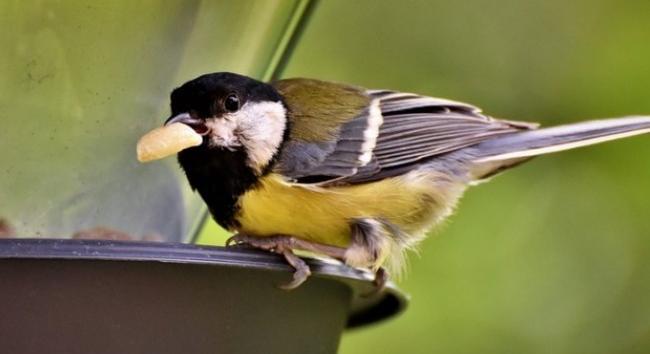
(231, 103)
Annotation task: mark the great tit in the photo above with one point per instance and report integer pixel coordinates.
(355, 174)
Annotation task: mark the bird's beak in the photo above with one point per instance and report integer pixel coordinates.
(197, 124)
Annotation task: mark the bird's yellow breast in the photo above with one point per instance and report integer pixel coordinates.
(322, 214)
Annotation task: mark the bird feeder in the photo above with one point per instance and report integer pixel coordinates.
(87, 296)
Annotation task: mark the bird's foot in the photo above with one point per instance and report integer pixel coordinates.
(264, 243)
(381, 278)
(270, 243)
(301, 273)
(284, 245)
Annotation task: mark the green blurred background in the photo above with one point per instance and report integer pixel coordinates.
(81, 81)
(553, 256)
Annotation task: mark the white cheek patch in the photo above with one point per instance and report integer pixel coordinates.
(261, 126)
(257, 126)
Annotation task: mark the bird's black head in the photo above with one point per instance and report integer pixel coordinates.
(233, 113)
(243, 123)
(219, 94)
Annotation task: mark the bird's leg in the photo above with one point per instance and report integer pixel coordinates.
(372, 240)
(270, 243)
(284, 245)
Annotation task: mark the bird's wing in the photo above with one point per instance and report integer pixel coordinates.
(416, 128)
(332, 128)
(392, 133)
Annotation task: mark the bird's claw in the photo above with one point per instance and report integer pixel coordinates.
(245, 240)
(238, 240)
(379, 283)
(233, 240)
(301, 273)
(280, 245)
(264, 243)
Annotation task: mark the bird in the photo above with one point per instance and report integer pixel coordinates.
(355, 174)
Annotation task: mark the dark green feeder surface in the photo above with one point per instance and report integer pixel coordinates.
(80, 296)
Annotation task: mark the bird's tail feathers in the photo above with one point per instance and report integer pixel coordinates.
(502, 152)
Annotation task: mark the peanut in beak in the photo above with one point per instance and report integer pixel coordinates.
(165, 141)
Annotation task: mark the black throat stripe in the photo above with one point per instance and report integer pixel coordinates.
(220, 176)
